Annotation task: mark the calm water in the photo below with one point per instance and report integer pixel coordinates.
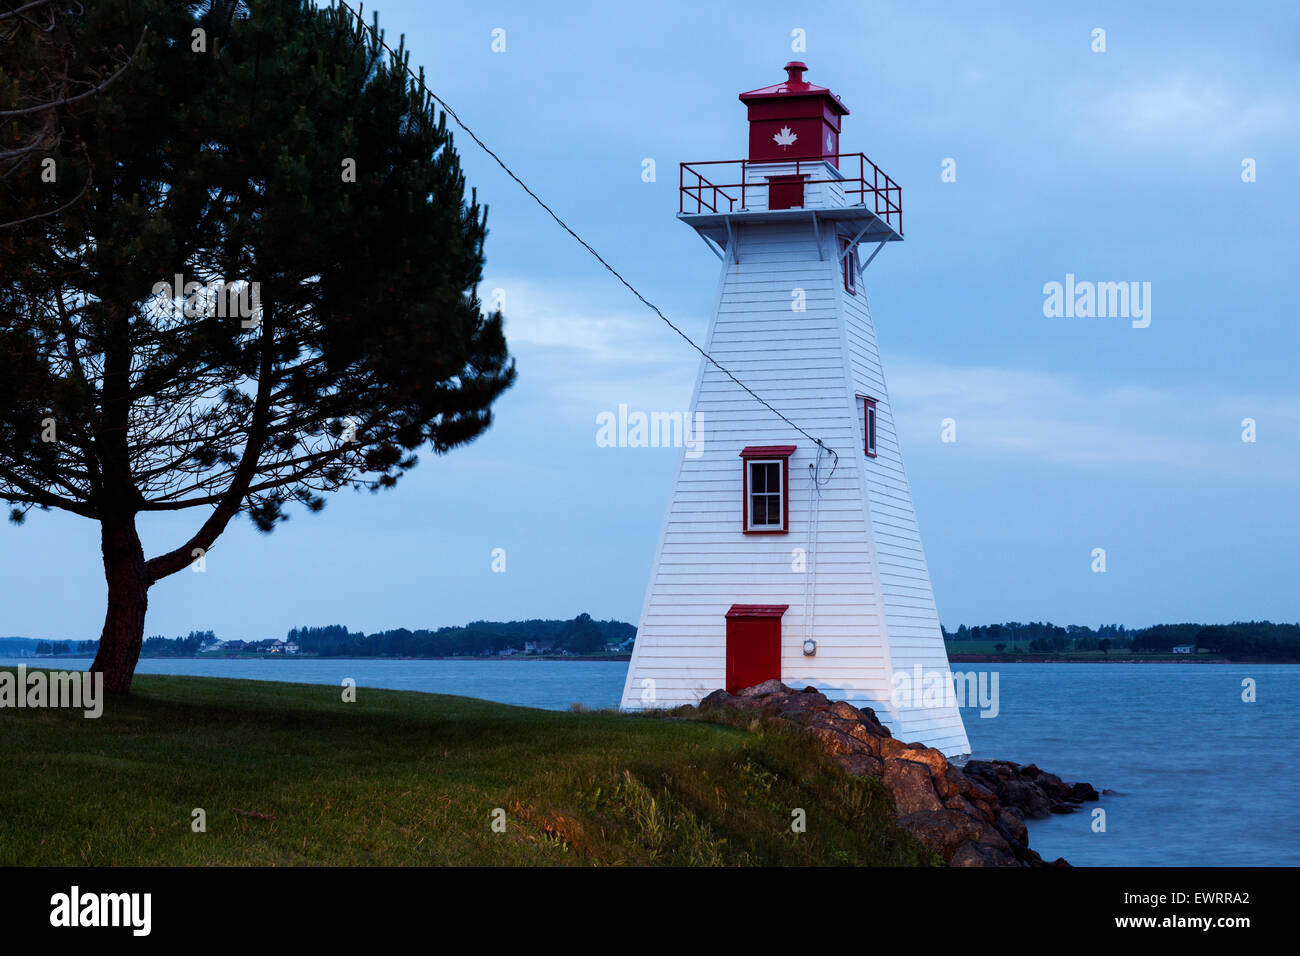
(552, 685)
(1202, 778)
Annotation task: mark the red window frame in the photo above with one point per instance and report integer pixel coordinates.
(753, 455)
(850, 259)
(870, 426)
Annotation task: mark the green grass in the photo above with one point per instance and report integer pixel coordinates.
(401, 778)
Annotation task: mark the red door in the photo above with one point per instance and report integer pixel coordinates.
(753, 644)
(785, 192)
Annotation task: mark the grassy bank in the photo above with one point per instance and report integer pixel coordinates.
(401, 778)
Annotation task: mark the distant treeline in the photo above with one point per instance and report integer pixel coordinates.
(186, 646)
(152, 646)
(1246, 640)
(582, 635)
(1259, 640)
(66, 647)
(1044, 637)
(1256, 640)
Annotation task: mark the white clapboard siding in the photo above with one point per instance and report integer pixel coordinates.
(872, 612)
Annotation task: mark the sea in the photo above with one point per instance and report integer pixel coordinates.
(1199, 759)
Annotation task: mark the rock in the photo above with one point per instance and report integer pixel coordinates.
(966, 786)
(976, 811)
(1015, 820)
(834, 741)
(869, 740)
(1084, 791)
(937, 764)
(910, 785)
(1024, 797)
(889, 747)
(719, 698)
(817, 698)
(771, 686)
(797, 703)
(968, 855)
(1033, 792)
(869, 716)
(973, 815)
(943, 830)
(1011, 824)
(860, 765)
(979, 854)
(846, 711)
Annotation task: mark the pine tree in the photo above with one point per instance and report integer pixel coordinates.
(49, 70)
(311, 202)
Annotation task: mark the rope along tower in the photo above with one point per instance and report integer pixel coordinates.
(448, 110)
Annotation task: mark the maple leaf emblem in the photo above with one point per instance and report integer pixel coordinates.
(785, 138)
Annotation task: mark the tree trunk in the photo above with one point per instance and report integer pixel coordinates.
(128, 599)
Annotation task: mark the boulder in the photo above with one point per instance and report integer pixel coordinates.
(973, 815)
(869, 717)
(935, 761)
(971, 853)
(835, 742)
(1084, 791)
(860, 765)
(771, 686)
(911, 787)
(891, 747)
(1011, 824)
(719, 698)
(796, 703)
(942, 830)
(846, 711)
(869, 740)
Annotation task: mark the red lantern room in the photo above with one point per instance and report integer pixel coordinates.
(795, 167)
(794, 120)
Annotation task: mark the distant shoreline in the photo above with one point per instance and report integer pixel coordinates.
(952, 658)
(317, 657)
(1049, 659)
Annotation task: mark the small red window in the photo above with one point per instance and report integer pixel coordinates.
(869, 425)
(849, 256)
(765, 489)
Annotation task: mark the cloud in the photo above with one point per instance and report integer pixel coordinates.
(589, 355)
(1190, 107)
(1064, 419)
(585, 359)
(577, 315)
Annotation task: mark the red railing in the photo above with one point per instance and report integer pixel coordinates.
(871, 187)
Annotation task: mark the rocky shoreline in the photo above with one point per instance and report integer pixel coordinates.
(972, 815)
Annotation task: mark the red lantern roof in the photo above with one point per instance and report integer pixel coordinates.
(795, 85)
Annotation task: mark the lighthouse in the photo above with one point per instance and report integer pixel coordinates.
(790, 548)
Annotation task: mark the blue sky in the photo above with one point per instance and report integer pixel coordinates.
(1073, 433)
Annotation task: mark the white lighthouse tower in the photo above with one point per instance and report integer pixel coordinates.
(781, 557)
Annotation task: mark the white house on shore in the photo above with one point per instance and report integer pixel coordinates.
(789, 548)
